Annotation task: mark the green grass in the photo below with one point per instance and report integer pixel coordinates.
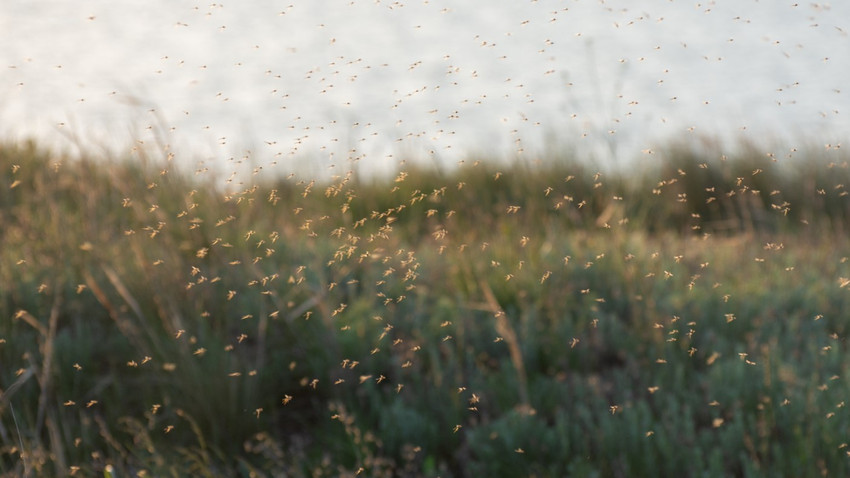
(534, 319)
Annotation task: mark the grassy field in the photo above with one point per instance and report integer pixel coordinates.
(687, 317)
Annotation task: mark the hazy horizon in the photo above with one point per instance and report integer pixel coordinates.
(282, 83)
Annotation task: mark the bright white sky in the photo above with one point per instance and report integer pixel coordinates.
(300, 84)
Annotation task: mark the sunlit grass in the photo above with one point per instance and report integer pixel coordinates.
(543, 319)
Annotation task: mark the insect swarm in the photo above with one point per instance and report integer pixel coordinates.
(399, 238)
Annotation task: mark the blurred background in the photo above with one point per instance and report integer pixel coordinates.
(298, 85)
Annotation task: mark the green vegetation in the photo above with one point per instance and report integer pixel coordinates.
(686, 318)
